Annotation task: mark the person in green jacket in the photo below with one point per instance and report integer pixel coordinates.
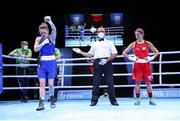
(23, 52)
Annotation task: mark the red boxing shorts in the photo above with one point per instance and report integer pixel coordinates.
(142, 71)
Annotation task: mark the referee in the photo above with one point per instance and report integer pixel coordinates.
(103, 52)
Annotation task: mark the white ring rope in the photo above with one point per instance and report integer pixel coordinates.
(87, 64)
(78, 59)
(59, 60)
(101, 86)
(86, 75)
(15, 57)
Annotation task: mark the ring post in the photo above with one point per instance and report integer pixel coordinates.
(1, 71)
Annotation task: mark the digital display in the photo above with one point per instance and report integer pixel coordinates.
(81, 29)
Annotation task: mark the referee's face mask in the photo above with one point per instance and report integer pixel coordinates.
(101, 35)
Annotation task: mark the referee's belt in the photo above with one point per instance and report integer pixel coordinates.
(100, 58)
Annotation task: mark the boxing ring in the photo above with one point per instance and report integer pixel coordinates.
(167, 107)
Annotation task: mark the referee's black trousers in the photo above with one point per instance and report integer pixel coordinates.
(107, 69)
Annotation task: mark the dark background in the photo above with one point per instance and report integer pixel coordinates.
(160, 21)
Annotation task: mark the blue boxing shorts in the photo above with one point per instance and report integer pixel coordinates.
(47, 69)
(81, 33)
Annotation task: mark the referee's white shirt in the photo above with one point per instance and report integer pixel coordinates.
(102, 49)
(93, 29)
